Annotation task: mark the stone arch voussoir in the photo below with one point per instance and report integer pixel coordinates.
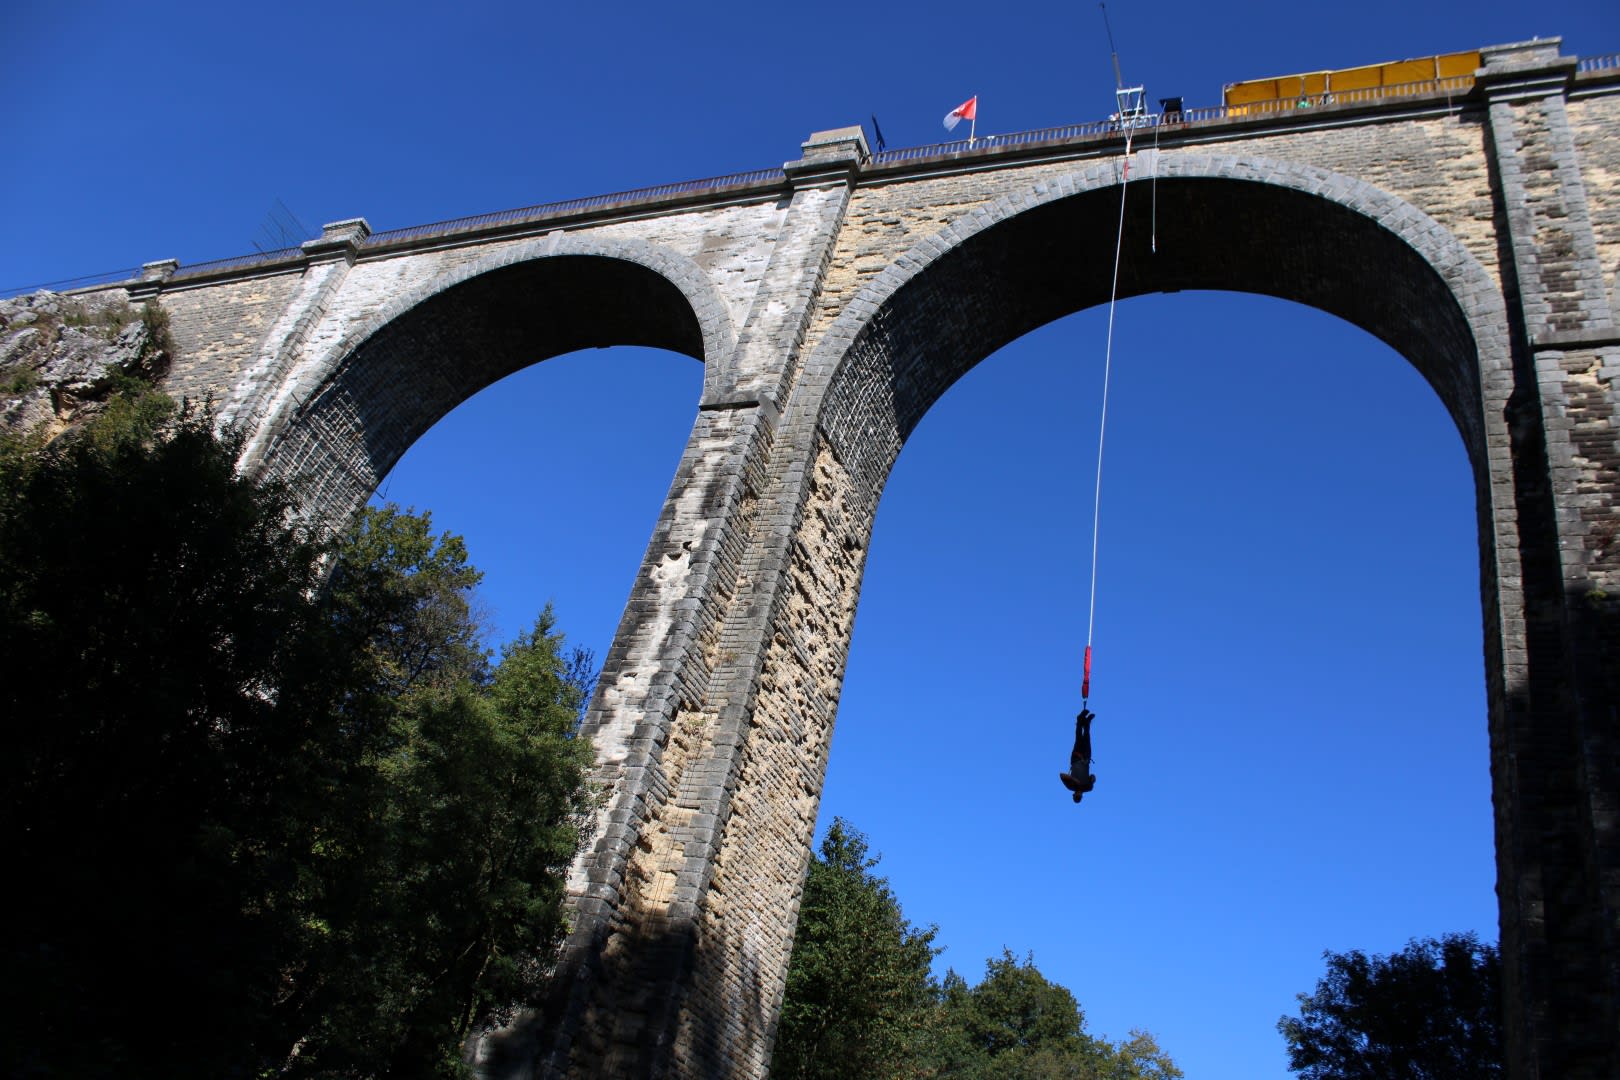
(854, 376)
(719, 337)
(844, 425)
(844, 404)
(1477, 295)
(316, 381)
(714, 320)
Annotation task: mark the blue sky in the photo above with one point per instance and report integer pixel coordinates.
(1291, 743)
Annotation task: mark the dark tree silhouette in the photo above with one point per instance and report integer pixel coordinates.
(1429, 1012)
(269, 806)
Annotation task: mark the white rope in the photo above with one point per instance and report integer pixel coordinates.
(1108, 362)
(1154, 234)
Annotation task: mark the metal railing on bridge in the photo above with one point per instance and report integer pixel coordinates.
(258, 258)
(1099, 129)
(1065, 133)
(538, 212)
(711, 185)
(1454, 86)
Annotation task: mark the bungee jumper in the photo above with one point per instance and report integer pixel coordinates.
(1079, 778)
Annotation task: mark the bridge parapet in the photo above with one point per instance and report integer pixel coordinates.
(1078, 140)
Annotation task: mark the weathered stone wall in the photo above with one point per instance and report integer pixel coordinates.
(662, 744)
(732, 244)
(1593, 122)
(753, 900)
(1556, 752)
(1435, 162)
(218, 330)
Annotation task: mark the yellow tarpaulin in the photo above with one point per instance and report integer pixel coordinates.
(1318, 87)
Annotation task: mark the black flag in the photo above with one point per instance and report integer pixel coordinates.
(877, 133)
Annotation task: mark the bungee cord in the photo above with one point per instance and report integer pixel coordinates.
(1131, 114)
(1102, 425)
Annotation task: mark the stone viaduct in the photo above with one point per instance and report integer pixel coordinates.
(1474, 225)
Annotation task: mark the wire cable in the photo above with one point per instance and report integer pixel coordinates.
(1154, 232)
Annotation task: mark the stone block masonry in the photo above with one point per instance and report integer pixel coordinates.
(832, 303)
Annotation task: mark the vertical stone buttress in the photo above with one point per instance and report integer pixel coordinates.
(329, 258)
(1556, 759)
(674, 966)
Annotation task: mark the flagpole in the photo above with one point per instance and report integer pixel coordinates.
(973, 124)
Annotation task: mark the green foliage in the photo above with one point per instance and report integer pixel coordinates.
(1140, 1058)
(1018, 1023)
(133, 418)
(858, 984)
(19, 382)
(401, 596)
(1016, 1011)
(1428, 1012)
(276, 808)
(107, 319)
(159, 341)
(861, 1001)
(454, 884)
(148, 596)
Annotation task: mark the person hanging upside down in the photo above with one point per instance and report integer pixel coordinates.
(1080, 758)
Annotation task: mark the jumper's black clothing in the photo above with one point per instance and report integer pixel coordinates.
(1079, 779)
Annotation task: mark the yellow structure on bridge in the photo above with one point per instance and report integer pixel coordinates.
(1325, 87)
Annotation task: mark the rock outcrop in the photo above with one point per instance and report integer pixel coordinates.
(62, 357)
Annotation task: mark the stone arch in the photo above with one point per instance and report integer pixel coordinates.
(1247, 224)
(384, 383)
(1239, 224)
(1291, 231)
(715, 818)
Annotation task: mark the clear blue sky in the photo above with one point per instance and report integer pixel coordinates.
(1291, 744)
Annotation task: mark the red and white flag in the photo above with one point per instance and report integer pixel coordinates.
(968, 110)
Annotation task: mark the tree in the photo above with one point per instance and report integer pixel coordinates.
(454, 894)
(861, 1000)
(1018, 1023)
(1428, 1012)
(858, 983)
(276, 808)
(153, 603)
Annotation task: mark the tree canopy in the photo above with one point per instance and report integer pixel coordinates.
(1018, 1023)
(861, 999)
(1428, 1012)
(273, 804)
(858, 983)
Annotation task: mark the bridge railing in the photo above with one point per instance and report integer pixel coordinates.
(1097, 129)
(539, 211)
(570, 206)
(214, 266)
(1455, 85)
(984, 142)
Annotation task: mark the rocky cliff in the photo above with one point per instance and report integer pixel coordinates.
(63, 357)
